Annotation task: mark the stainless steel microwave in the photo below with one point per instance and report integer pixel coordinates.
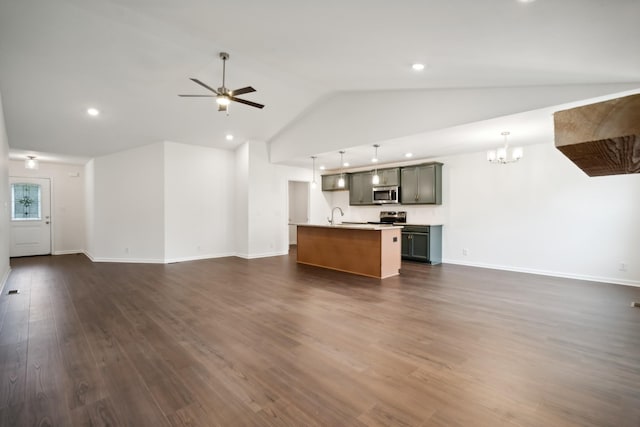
(384, 195)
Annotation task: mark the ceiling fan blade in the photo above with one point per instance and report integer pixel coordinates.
(204, 85)
(243, 90)
(244, 101)
(199, 96)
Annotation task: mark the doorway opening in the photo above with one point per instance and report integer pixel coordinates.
(298, 207)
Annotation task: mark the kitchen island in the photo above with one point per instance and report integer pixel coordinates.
(364, 249)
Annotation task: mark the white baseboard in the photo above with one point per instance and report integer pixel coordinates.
(156, 261)
(128, 260)
(69, 252)
(262, 255)
(198, 257)
(613, 280)
(5, 278)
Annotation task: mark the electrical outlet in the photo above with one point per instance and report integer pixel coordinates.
(465, 251)
(622, 267)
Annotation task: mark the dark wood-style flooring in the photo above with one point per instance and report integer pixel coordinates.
(267, 342)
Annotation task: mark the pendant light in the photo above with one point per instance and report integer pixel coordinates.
(341, 180)
(313, 183)
(500, 156)
(375, 180)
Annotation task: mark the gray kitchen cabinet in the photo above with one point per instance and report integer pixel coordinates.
(421, 184)
(422, 243)
(330, 182)
(361, 188)
(389, 176)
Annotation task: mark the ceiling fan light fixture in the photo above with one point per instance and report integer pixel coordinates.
(223, 100)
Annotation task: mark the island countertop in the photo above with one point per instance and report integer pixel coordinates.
(366, 249)
(353, 225)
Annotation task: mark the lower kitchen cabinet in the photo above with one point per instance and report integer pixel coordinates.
(422, 243)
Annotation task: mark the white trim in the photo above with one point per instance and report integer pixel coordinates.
(198, 257)
(262, 255)
(130, 260)
(5, 279)
(68, 252)
(616, 281)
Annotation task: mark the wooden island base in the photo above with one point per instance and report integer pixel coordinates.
(368, 251)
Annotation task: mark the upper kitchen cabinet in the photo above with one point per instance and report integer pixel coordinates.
(330, 182)
(361, 188)
(389, 176)
(421, 184)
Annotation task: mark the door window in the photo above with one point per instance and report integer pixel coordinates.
(25, 202)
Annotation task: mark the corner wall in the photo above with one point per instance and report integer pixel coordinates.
(266, 201)
(128, 209)
(198, 201)
(5, 200)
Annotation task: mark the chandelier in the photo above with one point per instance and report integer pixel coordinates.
(501, 155)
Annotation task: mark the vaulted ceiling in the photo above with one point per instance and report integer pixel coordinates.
(130, 59)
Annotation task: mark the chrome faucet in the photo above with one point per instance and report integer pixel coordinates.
(331, 220)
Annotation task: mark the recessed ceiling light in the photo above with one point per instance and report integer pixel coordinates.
(229, 137)
(408, 155)
(374, 160)
(93, 111)
(322, 167)
(418, 67)
(526, 1)
(345, 164)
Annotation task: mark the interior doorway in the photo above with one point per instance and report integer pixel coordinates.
(30, 216)
(298, 207)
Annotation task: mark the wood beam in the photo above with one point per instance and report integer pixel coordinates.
(602, 138)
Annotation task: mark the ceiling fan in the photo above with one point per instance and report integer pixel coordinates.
(223, 95)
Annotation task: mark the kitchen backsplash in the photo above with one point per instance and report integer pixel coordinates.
(420, 214)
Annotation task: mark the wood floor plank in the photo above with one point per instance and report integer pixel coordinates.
(229, 341)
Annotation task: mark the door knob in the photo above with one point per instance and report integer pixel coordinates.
(47, 222)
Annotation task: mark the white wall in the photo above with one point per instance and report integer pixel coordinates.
(67, 202)
(541, 215)
(5, 200)
(128, 222)
(89, 207)
(241, 200)
(198, 194)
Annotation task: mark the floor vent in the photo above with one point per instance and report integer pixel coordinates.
(13, 292)
(635, 304)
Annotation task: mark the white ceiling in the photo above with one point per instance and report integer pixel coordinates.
(130, 59)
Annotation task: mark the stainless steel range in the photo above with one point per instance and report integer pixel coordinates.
(391, 217)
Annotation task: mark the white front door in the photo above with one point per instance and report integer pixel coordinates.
(30, 216)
